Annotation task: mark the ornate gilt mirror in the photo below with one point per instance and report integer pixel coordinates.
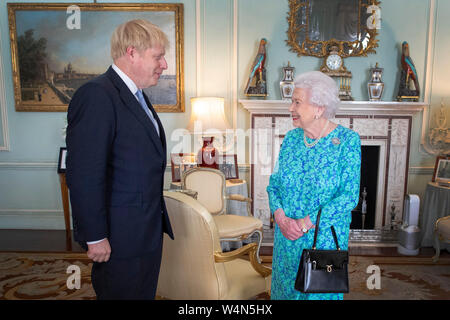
(317, 25)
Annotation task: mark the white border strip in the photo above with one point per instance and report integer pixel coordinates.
(430, 52)
(51, 212)
(3, 113)
(198, 40)
(200, 33)
(428, 77)
(28, 165)
(234, 65)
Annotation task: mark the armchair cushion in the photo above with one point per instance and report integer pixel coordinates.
(233, 226)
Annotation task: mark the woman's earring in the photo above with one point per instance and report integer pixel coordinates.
(316, 117)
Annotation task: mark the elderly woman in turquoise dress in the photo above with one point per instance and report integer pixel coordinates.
(318, 167)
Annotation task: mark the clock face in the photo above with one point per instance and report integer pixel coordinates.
(334, 62)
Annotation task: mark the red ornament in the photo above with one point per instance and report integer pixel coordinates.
(208, 156)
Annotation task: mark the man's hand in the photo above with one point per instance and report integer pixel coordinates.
(99, 252)
(288, 226)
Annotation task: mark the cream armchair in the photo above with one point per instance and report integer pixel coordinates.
(441, 234)
(210, 185)
(193, 265)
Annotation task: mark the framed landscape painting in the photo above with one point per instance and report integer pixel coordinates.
(57, 47)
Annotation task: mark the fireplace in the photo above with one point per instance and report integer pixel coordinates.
(363, 216)
(385, 132)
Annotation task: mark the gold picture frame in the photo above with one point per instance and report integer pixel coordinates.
(69, 54)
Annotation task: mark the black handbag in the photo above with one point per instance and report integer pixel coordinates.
(323, 271)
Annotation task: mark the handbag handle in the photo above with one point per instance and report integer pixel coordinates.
(316, 231)
(335, 238)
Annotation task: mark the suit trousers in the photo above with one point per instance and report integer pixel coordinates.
(127, 279)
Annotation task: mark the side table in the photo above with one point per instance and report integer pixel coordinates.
(436, 205)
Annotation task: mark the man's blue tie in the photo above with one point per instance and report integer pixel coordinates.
(144, 106)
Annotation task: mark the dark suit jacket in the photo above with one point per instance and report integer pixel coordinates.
(115, 168)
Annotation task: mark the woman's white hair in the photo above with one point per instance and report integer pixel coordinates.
(323, 91)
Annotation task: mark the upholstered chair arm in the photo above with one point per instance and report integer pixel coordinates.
(251, 249)
(436, 224)
(238, 197)
(241, 198)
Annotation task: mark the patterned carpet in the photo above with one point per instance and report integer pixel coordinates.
(402, 278)
(39, 276)
(44, 276)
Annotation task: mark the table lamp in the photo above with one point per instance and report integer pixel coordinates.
(208, 118)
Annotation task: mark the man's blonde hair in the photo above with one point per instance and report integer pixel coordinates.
(138, 33)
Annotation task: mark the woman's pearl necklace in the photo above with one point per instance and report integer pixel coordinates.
(310, 145)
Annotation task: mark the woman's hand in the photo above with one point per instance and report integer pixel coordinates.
(306, 222)
(288, 226)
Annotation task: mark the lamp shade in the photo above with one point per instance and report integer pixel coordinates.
(208, 114)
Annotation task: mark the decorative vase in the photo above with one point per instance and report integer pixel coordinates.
(375, 86)
(208, 155)
(287, 84)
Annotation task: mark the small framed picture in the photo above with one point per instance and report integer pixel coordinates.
(180, 163)
(228, 165)
(62, 160)
(442, 170)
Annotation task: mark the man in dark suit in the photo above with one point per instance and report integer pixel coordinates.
(116, 158)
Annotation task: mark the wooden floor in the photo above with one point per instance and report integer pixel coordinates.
(56, 241)
(37, 241)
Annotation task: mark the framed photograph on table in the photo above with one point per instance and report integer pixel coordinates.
(57, 47)
(180, 162)
(62, 160)
(442, 171)
(228, 165)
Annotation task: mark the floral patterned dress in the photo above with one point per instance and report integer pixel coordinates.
(326, 175)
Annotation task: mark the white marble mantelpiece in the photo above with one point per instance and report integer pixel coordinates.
(347, 107)
(384, 124)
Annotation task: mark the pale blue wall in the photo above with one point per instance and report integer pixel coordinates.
(29, 189)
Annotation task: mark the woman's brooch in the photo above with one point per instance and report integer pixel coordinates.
(336, 141)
